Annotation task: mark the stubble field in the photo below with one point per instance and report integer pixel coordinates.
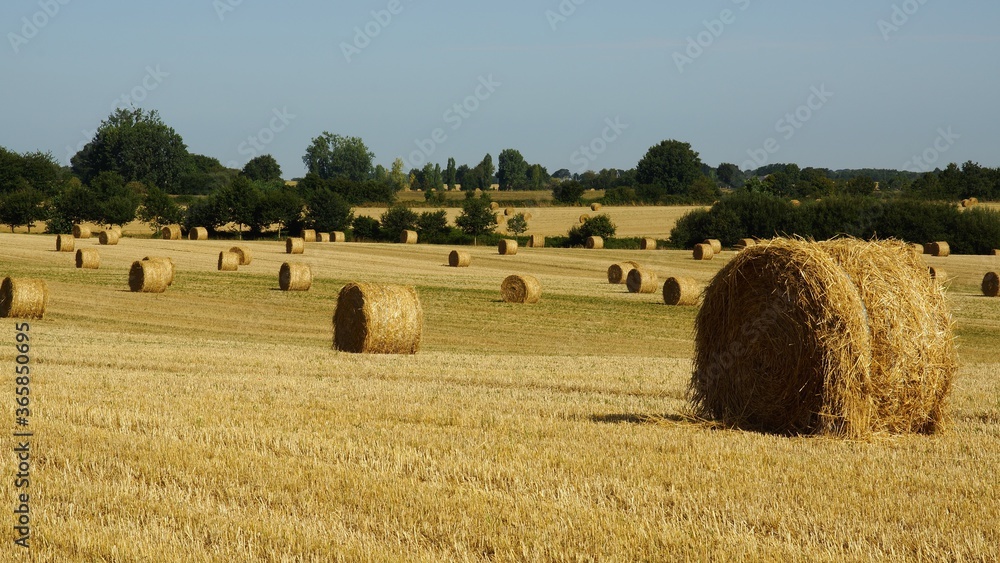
(216, 423)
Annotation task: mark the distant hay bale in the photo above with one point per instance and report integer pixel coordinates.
(64, 243)
(408, 237)
(996, 252)
(595, 243)
(494, 206)
(378, 319)
(308, 235)
(639, 280)
(536, 241)
(295, 276)
(198, 233)
(229, 261)
(940, 248)
(744, 243)
(79, 231)
(520, 289)
(715, 243)
(108, 238)
(595, 206)
(845, 338)
(991, 284)
(647, 244)
(974, 201)
(584, 218)
(23, 298)
(322, 237)
(295, 245)
(168, 263)
(618, 273)
(117, 229)
(681, 291)
(171, 232)
(459, 259)
(965, 203)
(338, 236)
(703, 252)
(246, 256)
(528, 216)
(508, 212)
(149, 276)
(88, 259)
(939, 275)
(507, 247)
(917, 249)
(796, 203)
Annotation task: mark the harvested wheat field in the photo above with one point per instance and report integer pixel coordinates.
(216, 421)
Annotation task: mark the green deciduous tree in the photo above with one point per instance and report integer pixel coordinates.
(568, 191)
(670, 166)
(263, 168)
(328, 211)
(238, 202)
(451, 174)
(476, 217)
(22, 208)
(334, 156)
(513, 170)
(396, 220)
(517, 225)
(158, 209)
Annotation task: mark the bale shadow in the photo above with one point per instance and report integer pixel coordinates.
(639, 418)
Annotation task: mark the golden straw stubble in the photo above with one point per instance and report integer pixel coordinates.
(149, 276)
(23, 298)
(520, 289)
(378, 319)
(991, 284)
(295, 276)
(681, 291)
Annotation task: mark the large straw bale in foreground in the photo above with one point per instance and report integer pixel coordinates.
(149, 276)
(843, 337)
(991, 284)
(65, 243)
(294, 276)
(23, 298)
(681, 291)
(520, 289)
(168, 263)
(642, 281)
(618, 273)
(378, 319)
(88, 258)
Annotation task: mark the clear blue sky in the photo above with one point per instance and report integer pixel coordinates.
(219, 80)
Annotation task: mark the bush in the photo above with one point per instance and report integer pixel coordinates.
(597, 226)
(367, 229)
(396, 220)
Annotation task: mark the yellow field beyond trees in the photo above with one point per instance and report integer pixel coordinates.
(216, 423)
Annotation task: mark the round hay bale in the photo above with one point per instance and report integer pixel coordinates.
(88, 259)
(715, 243)
(198, 233)
(991, 284)
(647, 244)
(639, 280)
(23, 298)
(117, 229)
(965, 203)
(80, 231)
(584, 218)
(507, 247)
(796, 203)
(295, 245)
(744, 243)
(378, 319)
(681, 291)
(536, 241)
(295, 276)
(508, 212)
(938, 274)
(595, 243)
(65, 243)
(618, 273)
(703, 252)
(229, 261)
(168, 263)
(338, 236)
(246, 257)
(323, 237)
(308, 235)
(408, 237)
(973, 201)
(171, 232)
(149, 276)
(520, 289)
(845, 338)
(108, 238)
(459, 259)
(494, 206)
(996, 252)
(528, 216)
(917, 249)
(595, 206)
(939, 248)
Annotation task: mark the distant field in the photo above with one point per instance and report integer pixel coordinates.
(539, 195)
(215, 422)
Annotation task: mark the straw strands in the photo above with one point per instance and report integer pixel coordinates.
(520, 289)
(459, 259)
(246, 256)
(88, 259)
(938, 274)
(23, 298)
(64, 243)
(295, 245)
(149, 276)
(991, 284)
(295, 276)
(639, 280)
(507, 247)
(681, 291)
(846, 338)
(378, 319)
